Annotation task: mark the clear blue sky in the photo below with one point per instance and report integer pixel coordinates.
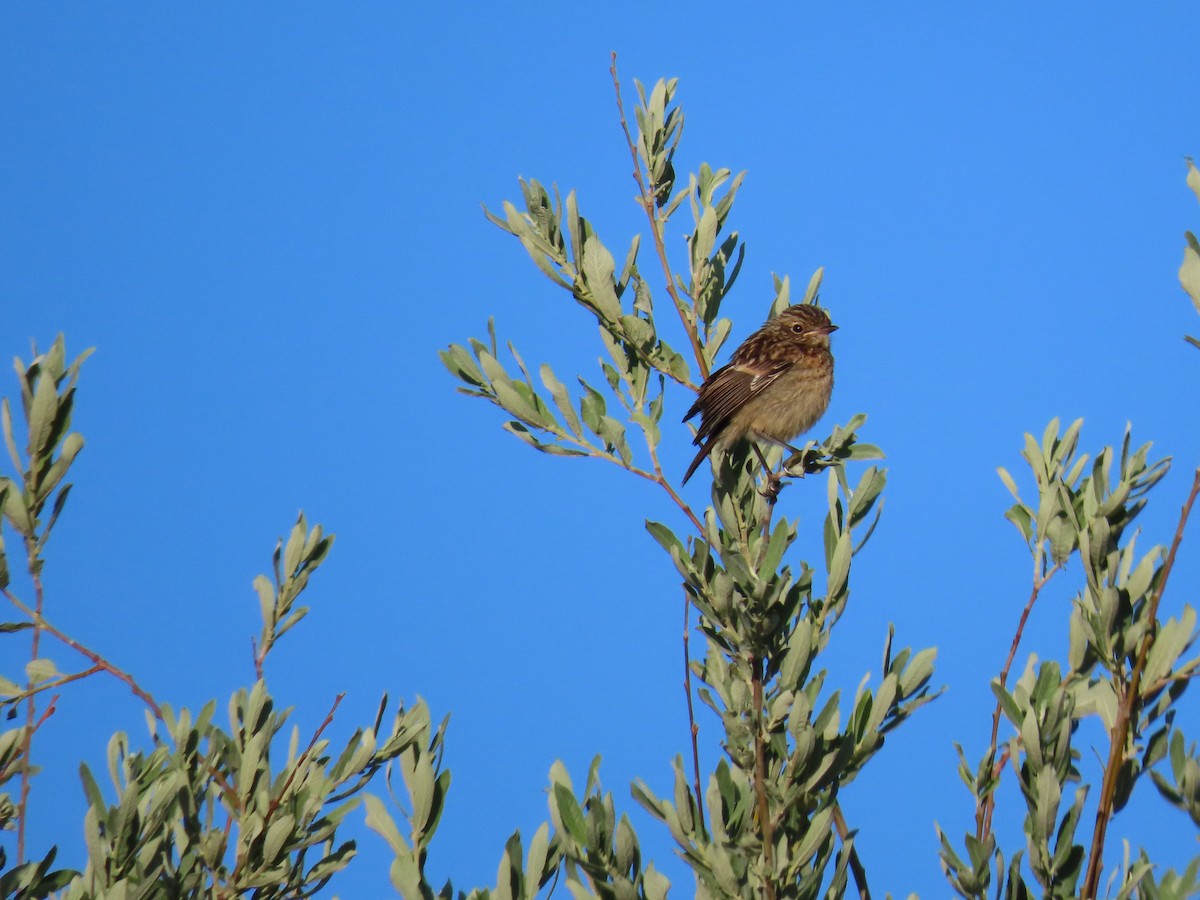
(267, 222)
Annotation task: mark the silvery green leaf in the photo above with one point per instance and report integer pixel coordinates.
(598, 269)
(814, 286)
(37, 670)
(569, 815)
(1189, 269)
(562, 399)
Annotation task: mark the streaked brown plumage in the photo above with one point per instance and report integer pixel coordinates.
(775, 387)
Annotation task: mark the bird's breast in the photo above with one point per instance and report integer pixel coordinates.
(792, 404)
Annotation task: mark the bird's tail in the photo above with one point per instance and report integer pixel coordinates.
(701, 453)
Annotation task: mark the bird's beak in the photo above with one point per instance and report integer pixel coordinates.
(827, 329)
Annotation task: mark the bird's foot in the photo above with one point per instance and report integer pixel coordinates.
(772, 485)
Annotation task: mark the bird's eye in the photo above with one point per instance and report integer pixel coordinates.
(798, 329)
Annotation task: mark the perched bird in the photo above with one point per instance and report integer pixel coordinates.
(774, 388)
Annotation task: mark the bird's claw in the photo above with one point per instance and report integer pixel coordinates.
(772, 485)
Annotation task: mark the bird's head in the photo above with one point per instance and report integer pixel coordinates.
(806, 325)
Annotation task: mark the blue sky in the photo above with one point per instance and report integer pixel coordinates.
(267, 221)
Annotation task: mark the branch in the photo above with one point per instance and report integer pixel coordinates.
(657, 476)
(765, 824)
(50, 710)
(983, 812)
(277, 800)
(59, 682)
(303, 758)
(30, 703)
(646, 201)
(97, 660)
(25, 765)
(693, 728)
(856, 866)
(1127, 707)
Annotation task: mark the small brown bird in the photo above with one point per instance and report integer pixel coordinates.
(776, 386)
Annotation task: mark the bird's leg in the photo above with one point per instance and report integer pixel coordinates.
(772, 481)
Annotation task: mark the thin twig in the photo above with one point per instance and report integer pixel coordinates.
(59, 682)
(23, 759)
(647, 202)
(303, 758)
(693, 728)
(983, 812)
(1127, 708)
(258, 660)
(18, 760)
(30, 702)
(278, 798)
(679, 501)
(40, 622)
(856, 866)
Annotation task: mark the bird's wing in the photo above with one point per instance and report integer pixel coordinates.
(727, 390)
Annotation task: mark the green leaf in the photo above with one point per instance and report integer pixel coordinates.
(1008, 482)
(381, 822)
(1021, 517)
(1189, 270)
(521, 431)
(666, 538)
(277, 837)
(918, 671)
(518, 405)
(1062, 538)
(591, 407)
(38, 670)
(9, 439)
(782, 297)
(598, 271)
(865, 451)
(41, 417)
(704, 237)
(570, 814)
(813, 291)
(562, 399)
(266, 598)
(461, 364)
(17, 512)
(818, 831)
(839, 566)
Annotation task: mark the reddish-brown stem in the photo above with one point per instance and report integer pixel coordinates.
(30, 702)
(303, 758)
(24, 757)
(983, 812)
(18, 759)
(96, 659)
(66, 679)
(1127, 709)
(656, 476)
(647, 202)
(279, 797)
(856, 866)
(766, 826)
(219, 891)
(687, 510)
(693, 728)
